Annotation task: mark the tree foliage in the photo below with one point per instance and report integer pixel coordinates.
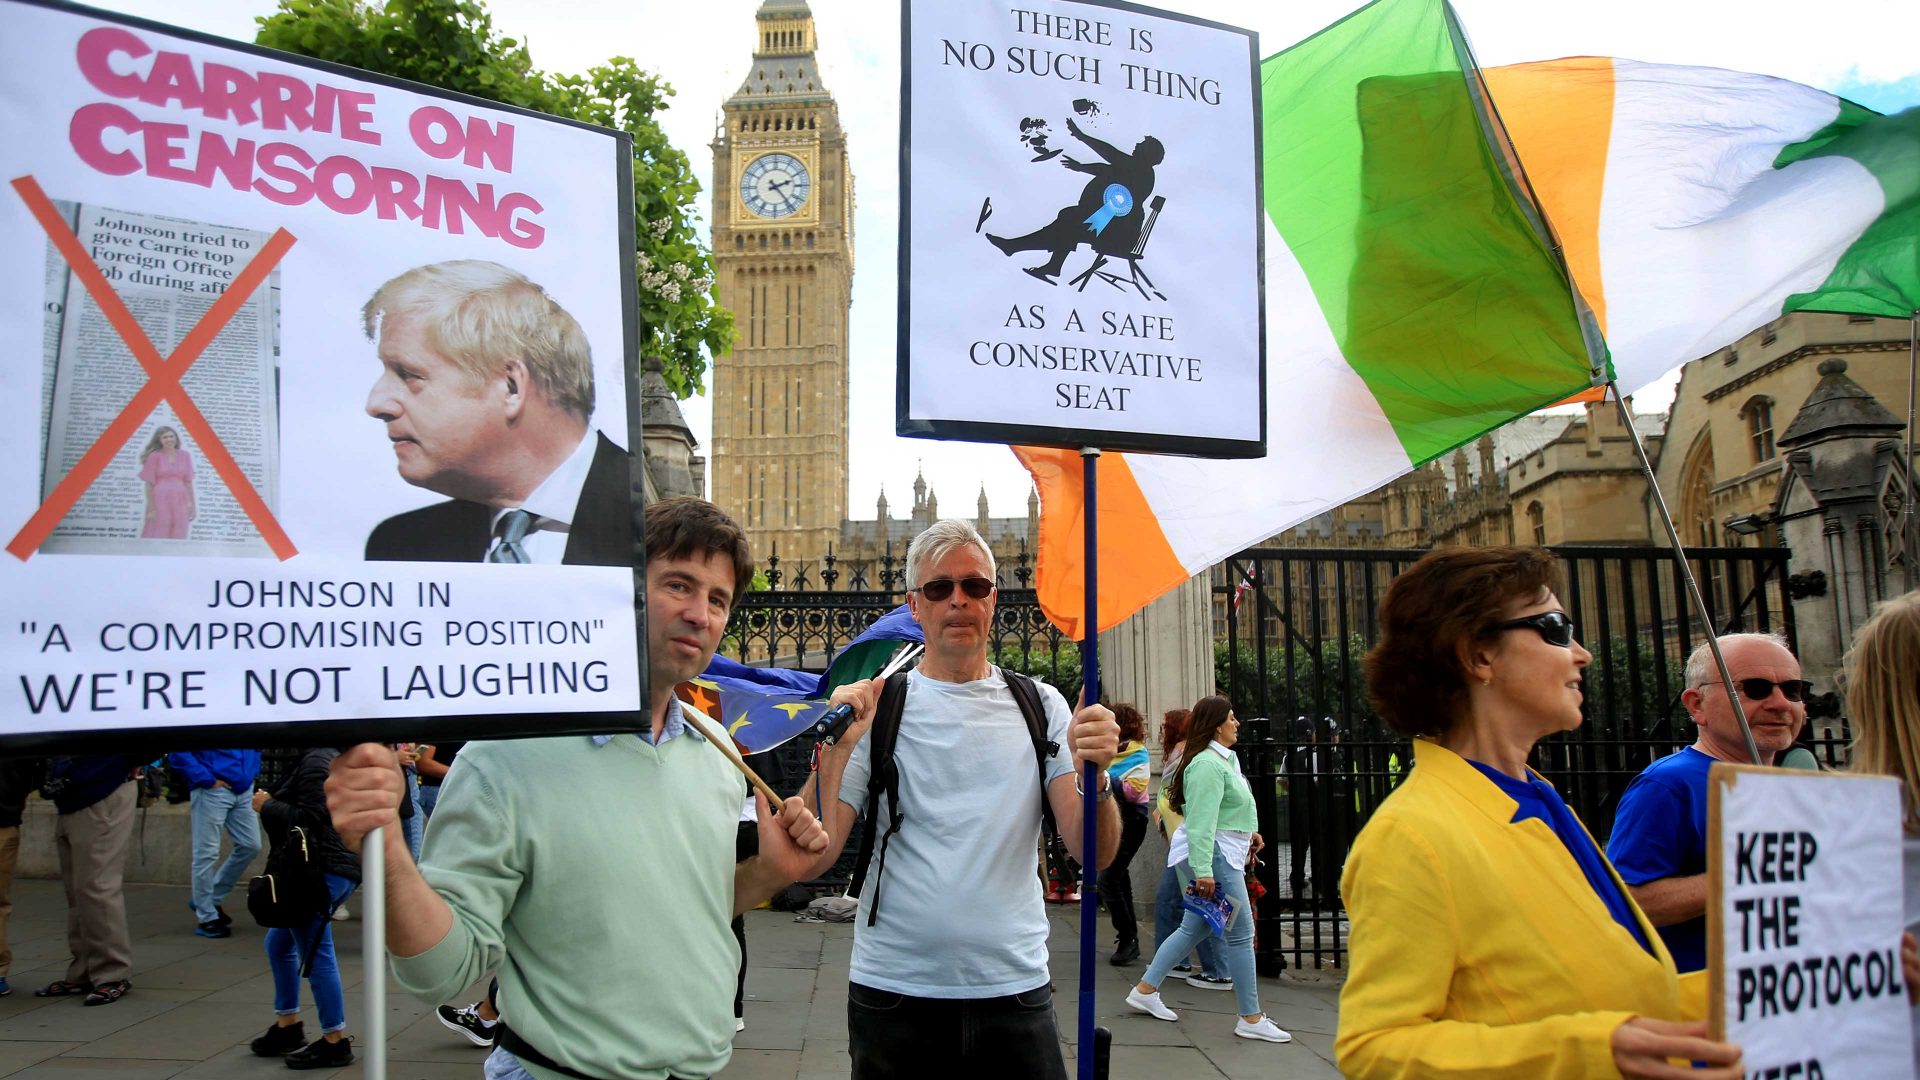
(452, 44)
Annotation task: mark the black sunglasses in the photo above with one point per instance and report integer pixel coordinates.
(1761, 689)
(976, 588)
(1554, 627)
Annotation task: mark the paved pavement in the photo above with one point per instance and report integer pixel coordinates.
(197, 1002)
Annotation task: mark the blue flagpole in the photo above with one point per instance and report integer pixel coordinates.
(1087, 1053)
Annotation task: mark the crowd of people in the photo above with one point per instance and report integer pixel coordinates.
(1491, 935)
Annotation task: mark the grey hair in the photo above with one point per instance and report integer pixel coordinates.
(1701, 670)
(941, 539)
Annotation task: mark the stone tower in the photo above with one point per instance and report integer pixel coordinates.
(783, 257)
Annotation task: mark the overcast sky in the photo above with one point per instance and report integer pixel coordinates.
(1868, 50)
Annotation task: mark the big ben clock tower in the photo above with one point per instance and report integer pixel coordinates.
(783, 256)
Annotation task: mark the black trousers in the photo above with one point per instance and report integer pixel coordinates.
(895, 1036)
(1116, 882)
(746, 844)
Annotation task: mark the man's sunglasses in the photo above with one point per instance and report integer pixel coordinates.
(1762, 689)
(976, 588)
(1554, 627)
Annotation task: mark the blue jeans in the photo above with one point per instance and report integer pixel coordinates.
(214, 810)
(286, 949)
(415, 827)
(429, 797)
(1166, 919)
(1232, 884)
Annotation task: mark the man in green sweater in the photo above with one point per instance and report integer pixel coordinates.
(565, 863)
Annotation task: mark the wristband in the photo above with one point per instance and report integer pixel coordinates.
(1103, 793)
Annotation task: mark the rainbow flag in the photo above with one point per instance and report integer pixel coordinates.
(1449, 249)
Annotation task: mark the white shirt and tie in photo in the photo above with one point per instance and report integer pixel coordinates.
(536, 531)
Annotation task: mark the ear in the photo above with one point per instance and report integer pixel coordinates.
(913, 606)
(514, 384)
(1476, 655)
(1692, 698)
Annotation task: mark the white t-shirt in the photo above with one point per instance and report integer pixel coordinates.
(962, 914)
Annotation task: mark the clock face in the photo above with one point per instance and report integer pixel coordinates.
(775, 185)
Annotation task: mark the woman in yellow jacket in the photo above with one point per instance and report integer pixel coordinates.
(1490, 936)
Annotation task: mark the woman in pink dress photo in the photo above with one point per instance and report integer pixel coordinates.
(168, 473)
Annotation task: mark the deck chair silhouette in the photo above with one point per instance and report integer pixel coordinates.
(1135, 276)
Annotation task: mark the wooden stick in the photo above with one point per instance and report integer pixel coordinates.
(733, 754)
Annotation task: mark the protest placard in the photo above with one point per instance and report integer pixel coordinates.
(1804, 917)
(1080, 228)
(289, 342)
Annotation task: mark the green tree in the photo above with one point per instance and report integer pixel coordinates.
(452, 44)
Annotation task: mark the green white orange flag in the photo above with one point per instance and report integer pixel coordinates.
(1413, 302)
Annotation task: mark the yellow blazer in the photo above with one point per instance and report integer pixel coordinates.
(1478, 948)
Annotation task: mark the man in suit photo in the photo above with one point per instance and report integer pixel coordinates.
(486, 388)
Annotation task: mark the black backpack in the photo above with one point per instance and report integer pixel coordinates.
(294, 888)
(883, 776)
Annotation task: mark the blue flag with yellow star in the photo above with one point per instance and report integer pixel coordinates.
(759, 713)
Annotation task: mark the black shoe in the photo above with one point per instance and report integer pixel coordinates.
(213, 928)
(281, 1041)
(321, 1054)
(467, 1021)
(1126, 953)
(222, 918)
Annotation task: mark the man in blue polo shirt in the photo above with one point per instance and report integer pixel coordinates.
(1659, 841)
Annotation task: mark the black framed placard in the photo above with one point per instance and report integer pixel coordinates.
(286, 343)
(1081, 229)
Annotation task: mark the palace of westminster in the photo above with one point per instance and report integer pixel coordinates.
(783, 252)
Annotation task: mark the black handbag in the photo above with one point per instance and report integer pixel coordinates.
(294, 888)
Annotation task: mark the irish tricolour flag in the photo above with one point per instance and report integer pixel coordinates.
(1450, 248)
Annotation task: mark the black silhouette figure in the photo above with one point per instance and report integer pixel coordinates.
(1109, 213)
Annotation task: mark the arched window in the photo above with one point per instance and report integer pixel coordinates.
(1758, 413)
(1537, 522)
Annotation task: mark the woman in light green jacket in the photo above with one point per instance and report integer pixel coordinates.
(1219, 841)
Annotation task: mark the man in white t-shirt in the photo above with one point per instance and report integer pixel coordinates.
(952, 966)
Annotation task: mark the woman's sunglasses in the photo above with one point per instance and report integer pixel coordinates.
(1554, 627)
(976, 588)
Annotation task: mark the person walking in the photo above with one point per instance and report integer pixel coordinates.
(302, 802)
(1130, 774)
(221, 782)
(1218, 838)
(1211, 972)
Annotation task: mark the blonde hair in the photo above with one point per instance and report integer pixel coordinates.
(1883, 697)
(153, 444)
(481, 314)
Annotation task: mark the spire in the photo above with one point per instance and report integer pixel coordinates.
(919, 485)
(784, 68)
(881, 513)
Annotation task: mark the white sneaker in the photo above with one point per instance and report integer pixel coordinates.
(739, 1024)
(1150, 1004)
(1264, 1028)
(340, 914)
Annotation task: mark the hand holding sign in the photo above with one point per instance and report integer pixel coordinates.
(1643, 1046)
(364, 792)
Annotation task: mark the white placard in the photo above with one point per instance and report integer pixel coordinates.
(1804, 923)
(1081, 228)
(238, 584)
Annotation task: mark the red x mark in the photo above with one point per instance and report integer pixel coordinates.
(163, 382)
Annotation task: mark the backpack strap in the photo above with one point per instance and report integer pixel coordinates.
(1027, 696)
(883, 778)
(883, 775)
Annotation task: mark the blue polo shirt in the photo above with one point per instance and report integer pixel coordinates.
(1660, 831)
